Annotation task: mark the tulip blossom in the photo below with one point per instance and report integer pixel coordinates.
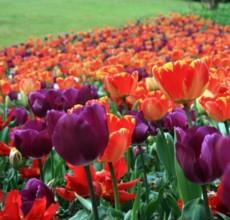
(43, 100)
(20, 115)
(121, 84)
(155, 106)
(175, 118)
(80, 136)
(33, 139)
(217, 107)
(34, 189)
(182, 81)
(120, 137)
(197, 151)
(39, 210)
(102, 183)
(142, 128)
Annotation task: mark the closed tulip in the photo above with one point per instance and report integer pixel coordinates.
(33, 139)
(197, 153)
(155, 106)
(81, 136)
(217, 107)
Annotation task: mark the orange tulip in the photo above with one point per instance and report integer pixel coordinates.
(218, 107)
(182, 81)
(120, 138)
(121, 84)
(155, 106)
(28, 85)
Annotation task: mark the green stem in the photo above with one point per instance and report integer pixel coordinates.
(41, 169)
(205, 197)
(52, 163)
(115, 189)
(130, 158)
(145, 180)
(91, 192)
(226, 127)
(188, 113)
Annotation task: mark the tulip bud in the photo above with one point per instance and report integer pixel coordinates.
(15, 156)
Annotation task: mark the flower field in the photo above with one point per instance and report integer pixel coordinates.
(118, 123)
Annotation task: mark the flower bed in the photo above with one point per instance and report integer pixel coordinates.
(129, 123)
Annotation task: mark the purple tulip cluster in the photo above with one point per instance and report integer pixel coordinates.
(46, 99)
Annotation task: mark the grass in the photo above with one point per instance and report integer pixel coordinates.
(21, 19)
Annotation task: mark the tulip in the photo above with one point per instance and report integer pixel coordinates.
(102, 183)
(20, 115)
(176, 118)
(81, 136)
(33, 139)
(182, 81)
(155, 106)
(121, 84)
(217, 107)
(120, 137)
(38, 210)
(141, 130)
(197, 153)
(43, 100)
(35, 189)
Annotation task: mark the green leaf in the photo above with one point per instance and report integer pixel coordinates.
(187, 190)
(81, 215)
(153, 205)
(85, 202)
(194, 210)
(165, 151)
(136, 205)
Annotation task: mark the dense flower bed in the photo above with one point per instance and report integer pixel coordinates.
(123, 123)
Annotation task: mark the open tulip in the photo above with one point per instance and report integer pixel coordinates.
(121, 84)
(182, 81)
(217, 107)
(120, 137)
(81, 136)
(197, 153)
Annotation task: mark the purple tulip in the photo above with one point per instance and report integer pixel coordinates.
(82, 136)
(46, 99)
(86, 93)
(197, 153)
(71, 96)
(33, 139)
(176, 118)
(43, 100)
(141, 130)
(20, 115)
(35, 189)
